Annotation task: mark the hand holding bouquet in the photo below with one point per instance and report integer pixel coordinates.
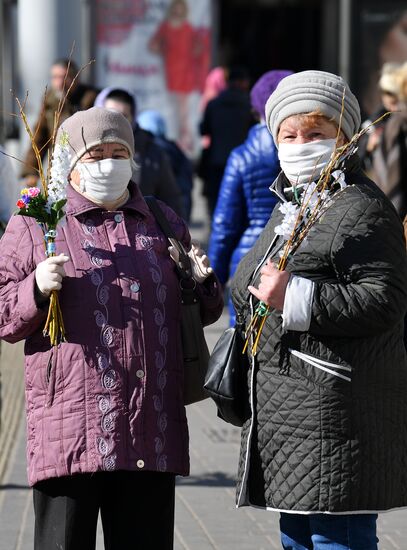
(47, 206)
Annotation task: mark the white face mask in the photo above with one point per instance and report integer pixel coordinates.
(105, 180)
(304, 162)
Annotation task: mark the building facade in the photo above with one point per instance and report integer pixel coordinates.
(350, 37)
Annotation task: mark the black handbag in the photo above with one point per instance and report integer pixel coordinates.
(227, 377)
(195, 349)
(228, 370)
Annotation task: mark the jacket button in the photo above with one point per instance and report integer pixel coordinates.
(118, 218)
(140, 373)
(140, 463)
(135, 287)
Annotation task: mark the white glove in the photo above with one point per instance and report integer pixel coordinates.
(49, 274)
(199, 261)
(201, 266)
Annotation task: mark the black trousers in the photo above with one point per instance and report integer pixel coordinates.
(136, 508)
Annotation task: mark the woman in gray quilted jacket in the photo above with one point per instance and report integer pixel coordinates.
(326, 441)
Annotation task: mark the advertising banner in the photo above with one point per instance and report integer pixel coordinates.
(159, 50)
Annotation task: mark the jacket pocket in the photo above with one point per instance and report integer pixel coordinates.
(51, 375)
(340, 371)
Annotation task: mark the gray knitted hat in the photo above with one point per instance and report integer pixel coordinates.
(309, 91)
(97, 125)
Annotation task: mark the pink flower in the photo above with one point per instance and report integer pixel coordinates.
(33, 192)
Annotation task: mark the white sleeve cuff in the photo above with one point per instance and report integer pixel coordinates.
(298, 304)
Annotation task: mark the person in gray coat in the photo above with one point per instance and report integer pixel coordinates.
(325, 441)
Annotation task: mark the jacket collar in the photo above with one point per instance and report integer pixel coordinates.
(277, 187)
(78, 204)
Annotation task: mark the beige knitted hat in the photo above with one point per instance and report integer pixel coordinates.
(97, 125)
(309, 91)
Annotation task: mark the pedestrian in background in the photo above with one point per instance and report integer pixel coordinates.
(389, 86)
(155, 176)
(389, 158)
(180, 46)
(106, 423)
(245, 201)
(215, 83)
(153, 122)
(387, 43)
(226, 121)
(81, 96)
(326, 444)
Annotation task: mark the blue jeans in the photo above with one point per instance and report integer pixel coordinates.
(328, 532)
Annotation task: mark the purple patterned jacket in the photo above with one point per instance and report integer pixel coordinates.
(110, 397)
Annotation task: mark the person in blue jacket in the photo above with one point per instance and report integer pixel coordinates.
(153, 122)
(245, 202)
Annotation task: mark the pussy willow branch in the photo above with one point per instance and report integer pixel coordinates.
(321, 186)
(54, 325)
(34, 146)
(16, 158)
(50, 143)
(62, 101)
(8, 154)
(42, 114)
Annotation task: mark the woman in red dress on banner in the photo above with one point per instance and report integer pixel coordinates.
(178, 42)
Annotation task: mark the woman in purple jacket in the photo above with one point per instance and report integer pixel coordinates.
(106, 423)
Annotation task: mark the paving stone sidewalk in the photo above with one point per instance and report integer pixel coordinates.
(206, 517)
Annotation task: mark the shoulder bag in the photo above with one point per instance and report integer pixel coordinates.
(195, 349)
(226, 379)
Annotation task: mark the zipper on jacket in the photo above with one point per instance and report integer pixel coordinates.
(273, 187)
(243, 486)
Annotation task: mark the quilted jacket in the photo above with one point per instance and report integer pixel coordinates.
(111, 396)
(328, 430)
(245, 203)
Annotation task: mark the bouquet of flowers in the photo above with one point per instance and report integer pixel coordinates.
(47, 205)
(310, 202)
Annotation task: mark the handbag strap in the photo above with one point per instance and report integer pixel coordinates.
(184, 263)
